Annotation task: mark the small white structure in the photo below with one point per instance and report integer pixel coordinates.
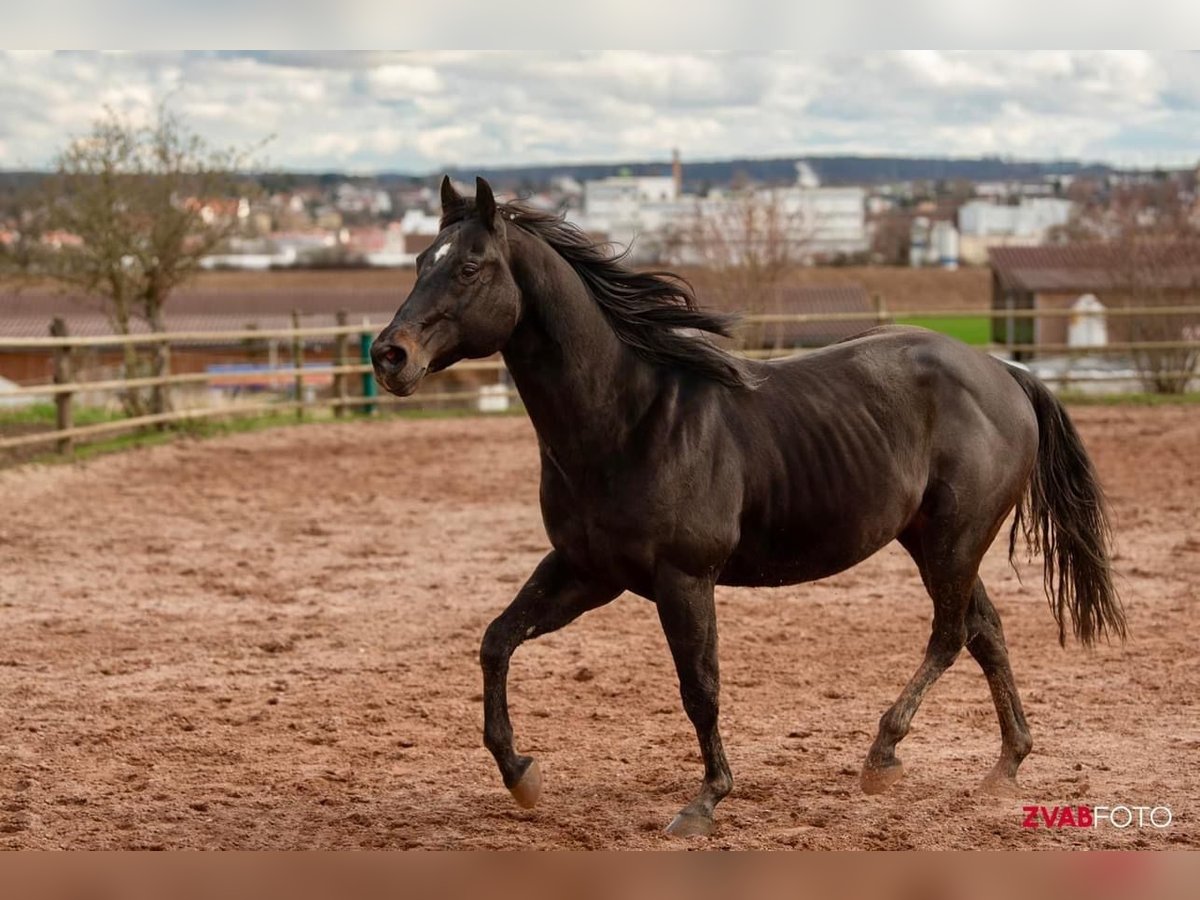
(8, 399)
(943, 239)
(1088, 327)
(918, 242)
(933, 243)
(493, 398)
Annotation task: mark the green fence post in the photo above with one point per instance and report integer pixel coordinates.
(369, 388)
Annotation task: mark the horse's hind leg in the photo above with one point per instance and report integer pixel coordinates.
(554, 596)
(949, 573)
(987, 646)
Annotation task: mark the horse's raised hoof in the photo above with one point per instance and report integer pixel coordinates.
(877, 779)
(528, 788)
(690, 824)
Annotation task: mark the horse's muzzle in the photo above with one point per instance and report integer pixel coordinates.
(398, 362)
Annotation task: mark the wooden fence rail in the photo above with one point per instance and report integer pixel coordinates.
(64, 386)
(333, 331)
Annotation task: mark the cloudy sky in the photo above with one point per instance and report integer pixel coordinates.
(418, 111)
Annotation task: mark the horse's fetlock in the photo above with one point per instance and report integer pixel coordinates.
(1022, 746)
(721, 785)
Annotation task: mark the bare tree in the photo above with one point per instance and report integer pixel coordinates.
(1151, 232)
(1156, 272)
(126, 216)
(749, 244)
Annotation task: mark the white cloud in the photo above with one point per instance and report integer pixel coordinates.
(416, 111)
(396, 81)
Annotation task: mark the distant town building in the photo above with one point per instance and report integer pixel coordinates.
(218, 209)
(401, 241)
(983, 224)
(353, 198)
(833, 217)
(1088, 277)
(277, 250)
(623, 208)
(652, 216)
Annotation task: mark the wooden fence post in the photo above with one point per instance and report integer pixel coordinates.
(298, 363)
(63, 416)
(341, 359)
(881, 313)
(161, 402)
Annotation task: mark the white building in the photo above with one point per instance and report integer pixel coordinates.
(403, 240)
(627, 208)
(983, 224)
(652, 215)
(832, 218)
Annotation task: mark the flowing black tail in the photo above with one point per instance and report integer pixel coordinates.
(1063, 516)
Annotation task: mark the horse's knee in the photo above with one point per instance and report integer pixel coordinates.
(494, 650)
(945, 644)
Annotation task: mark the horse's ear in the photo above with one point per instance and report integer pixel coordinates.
(451, 199)
(485, 203)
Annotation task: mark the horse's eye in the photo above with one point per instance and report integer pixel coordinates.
(470, 269)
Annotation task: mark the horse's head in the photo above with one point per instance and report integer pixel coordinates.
(465, 303)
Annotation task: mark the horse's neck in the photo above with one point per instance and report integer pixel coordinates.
(582, 387)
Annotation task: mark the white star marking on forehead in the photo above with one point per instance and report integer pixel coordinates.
(442, 251)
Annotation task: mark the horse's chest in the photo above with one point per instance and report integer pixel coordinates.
(601, 534)
(622, 528)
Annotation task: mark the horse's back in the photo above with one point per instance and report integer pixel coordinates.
(974, 408)
(906, 362)
(844, 445)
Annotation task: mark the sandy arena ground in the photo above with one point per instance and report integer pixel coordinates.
(269, 641)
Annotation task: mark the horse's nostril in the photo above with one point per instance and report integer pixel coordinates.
(395, 356)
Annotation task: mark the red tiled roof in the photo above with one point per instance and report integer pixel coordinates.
(1094, 266)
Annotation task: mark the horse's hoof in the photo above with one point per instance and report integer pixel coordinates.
(998, 784)
(876, 780)
(528, 788)
(690, 824)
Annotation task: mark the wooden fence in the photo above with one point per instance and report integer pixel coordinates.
(350, 360)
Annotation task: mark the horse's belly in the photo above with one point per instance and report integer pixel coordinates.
(813, 547)
(747, 568)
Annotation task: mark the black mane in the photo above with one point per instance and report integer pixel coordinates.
(652, 312)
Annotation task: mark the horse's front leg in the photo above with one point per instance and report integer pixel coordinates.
(689, 620)
(553, 596)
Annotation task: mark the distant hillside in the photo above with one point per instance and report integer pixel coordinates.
(831, 170)
(698, 175)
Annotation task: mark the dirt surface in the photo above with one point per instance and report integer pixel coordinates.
(269, 641)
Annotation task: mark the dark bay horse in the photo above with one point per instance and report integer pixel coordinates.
(670, 466)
